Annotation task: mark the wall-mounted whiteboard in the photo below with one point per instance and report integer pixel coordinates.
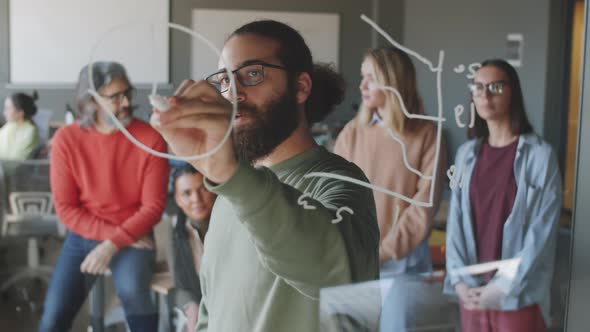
(321, 32)
(50, 41)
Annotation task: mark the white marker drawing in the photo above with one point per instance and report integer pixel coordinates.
(367, 185)
(408, 115)
(339, 216)
(459, 69)
(472, 69)
(438, 70)
(459, 109)
(438, 119)
(405, 110)
(107, 106)
(456, 180)
(405, 157)
(395, 219)
(104, 104)
(304, 203)
(398, 45)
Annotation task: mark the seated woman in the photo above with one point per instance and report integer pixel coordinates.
(507, 206)
(189, 228)
(18, 137)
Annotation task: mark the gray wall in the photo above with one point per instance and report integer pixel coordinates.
(354, 40)
(390, 15)
(455, 26)
(472, 31)
(55, 97)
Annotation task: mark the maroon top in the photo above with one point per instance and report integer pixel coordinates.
(492, 192)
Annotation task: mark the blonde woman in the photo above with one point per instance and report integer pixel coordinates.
(397, 153)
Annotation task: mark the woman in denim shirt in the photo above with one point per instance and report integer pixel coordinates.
(505, 205)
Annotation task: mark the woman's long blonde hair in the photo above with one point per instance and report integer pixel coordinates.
(394, 68)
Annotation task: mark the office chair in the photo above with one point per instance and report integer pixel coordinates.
(27, 211)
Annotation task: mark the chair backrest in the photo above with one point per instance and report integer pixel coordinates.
(41, 119)
(25, 193)
(23, 176)
(31, 203)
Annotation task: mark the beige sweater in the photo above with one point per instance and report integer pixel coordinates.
(373, 149)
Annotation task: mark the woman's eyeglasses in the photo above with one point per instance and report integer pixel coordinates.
(493, 88)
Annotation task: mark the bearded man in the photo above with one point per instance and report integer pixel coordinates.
(270, 249)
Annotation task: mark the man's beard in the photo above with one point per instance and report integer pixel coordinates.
(270, 125)
(125, 120)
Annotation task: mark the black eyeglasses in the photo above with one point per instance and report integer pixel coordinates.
(248, 75)
(117, 98)
(494, 88)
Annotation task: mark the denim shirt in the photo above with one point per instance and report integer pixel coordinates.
(418, 261)
(529, 233)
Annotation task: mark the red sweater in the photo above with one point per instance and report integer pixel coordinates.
(104, 187)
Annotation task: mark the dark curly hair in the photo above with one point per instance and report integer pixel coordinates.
(328, 87)
(25, 103)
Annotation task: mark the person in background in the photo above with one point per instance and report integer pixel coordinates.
(267, 256)
(195, 203)
(397, 153)
(19, 136)
(508, 206)
(109, 194)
